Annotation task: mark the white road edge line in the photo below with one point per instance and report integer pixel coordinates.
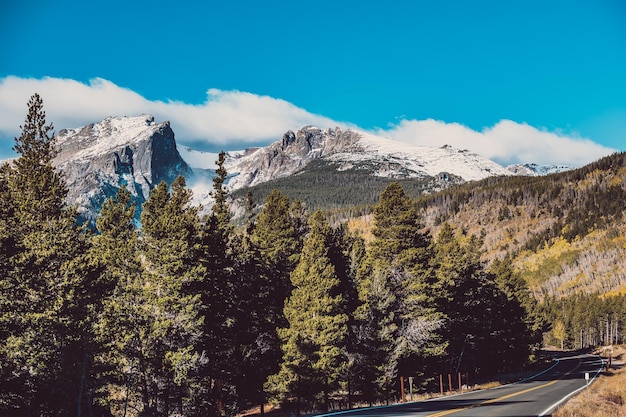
(571, 394)
(354, 410)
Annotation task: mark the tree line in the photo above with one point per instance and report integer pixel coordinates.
(577, 201)
(187, 315)
(581, 321)
(322, 185)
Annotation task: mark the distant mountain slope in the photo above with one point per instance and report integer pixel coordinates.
(338, 168)
(326, 168)
(346, 149)
(566, 231)
(327, 184)
(537, 170)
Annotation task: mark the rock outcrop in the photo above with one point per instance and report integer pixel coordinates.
(345, 147)
(284, 157)
(99, 158)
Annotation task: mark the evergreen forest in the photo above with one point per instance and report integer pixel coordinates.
(188, 314)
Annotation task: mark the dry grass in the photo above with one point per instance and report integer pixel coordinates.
(606, 397)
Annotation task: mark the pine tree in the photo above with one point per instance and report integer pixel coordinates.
(118, 328)
(7, 246)
(256, 345)
(254, 350)
(525, 325)
(270, 253)
(7, 237)
(219, 296)
(397, 317)
(485, 327)
(151, 352)
(397, 226)
(313, 344)
(220, 207)
(38, 184)
(277, 232)
(355, 255)
(173, 325)
(277, 238)
(461, 289)
(47, 290)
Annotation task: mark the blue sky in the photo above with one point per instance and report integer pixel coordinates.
(489, 76)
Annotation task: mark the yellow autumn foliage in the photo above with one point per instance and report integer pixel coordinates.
(362, 226)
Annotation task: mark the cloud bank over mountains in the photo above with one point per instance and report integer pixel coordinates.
(507, 142)
(231, 120)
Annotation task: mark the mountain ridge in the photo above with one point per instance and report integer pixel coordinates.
(139, 152)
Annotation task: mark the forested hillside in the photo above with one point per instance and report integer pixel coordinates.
(321, 185)
(565, 236)
(188, 315)
(565, 232)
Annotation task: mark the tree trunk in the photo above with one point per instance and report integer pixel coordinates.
(79, 400)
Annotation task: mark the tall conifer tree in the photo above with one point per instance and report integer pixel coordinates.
(117, 248)
(173, 325)
(397, 317)
(277, 240)
(218, 297)
(484, 326)
(271, 253)
(150, 326)
(47, 286)
(313, 344)
(523, 324)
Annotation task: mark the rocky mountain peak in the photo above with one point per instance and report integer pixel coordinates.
(288, 138)
(283, 158)
(138, 152)
(313, 139)
(97, 159)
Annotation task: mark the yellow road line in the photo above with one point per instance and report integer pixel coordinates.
(504, 397)
(493, 400)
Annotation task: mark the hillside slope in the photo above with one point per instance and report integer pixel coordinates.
(566, 232)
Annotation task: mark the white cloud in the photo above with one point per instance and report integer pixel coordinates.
(228, 117)
(67, 103)
(225, 116)
(507, 142)
(235, 115)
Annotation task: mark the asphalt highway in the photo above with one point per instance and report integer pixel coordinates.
(538, 396)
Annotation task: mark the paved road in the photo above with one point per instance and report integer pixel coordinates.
(538, 396)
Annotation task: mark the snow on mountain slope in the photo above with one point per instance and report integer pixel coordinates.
(198, 159)
(534, 170)
(137, 152)
(386, 158)
(99, 158)
(423, 160)
(108, 135)
(285, 157)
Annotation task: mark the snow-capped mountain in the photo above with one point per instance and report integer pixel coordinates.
(339, 150)
(138, 152)
(99, 158)
(534, 170)
(347, 148)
